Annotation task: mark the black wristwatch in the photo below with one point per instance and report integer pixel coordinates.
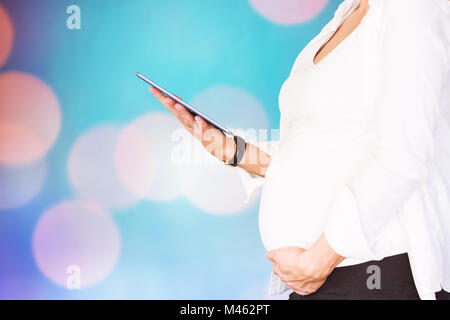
(241, 145)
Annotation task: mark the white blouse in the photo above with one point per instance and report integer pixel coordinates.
(364, 149)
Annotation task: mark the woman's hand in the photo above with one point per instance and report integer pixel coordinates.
(305, 271)
(214, 140)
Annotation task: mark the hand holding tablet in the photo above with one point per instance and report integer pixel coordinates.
(217, 139)
(186, 105)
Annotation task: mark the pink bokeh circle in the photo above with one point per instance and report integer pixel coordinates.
(76, 236)
(6, 36)
(289, 12)
(30, 118)
(134, 160)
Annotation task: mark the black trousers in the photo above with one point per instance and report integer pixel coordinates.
(387, 279)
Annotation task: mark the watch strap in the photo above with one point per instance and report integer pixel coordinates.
(241, 145)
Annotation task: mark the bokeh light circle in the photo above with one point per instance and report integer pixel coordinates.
(288, 12)
(224, 102)
(144, 157)
(76, 234)
(212, 186)
(20, 184)
(92, 169)
(134, 160)
(209, 184)
(30, 118)
(6, 36)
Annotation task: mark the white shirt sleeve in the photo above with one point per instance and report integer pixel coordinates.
(252, 182)
(414, 65)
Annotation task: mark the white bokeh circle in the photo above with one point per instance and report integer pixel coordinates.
(232, 107)
(30, 118)
(76, 234)
(289, 12)
(92, 170)
(21, 184)
(143, 157)
(212, 186)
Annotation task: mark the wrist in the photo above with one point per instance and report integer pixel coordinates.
(237, 151)
(327, 259)
(230, 149)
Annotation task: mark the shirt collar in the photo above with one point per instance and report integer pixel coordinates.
(344, 10)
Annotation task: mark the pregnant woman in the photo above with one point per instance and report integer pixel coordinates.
(356, 192)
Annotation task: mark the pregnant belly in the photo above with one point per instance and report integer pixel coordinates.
(300, 188)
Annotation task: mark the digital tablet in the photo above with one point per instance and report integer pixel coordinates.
(186, 105)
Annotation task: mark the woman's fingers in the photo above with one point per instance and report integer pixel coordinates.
(202, 126)
(276, 269)
(185, 116)
(167, 102)
(158, 94)
(209, 128)
(198, 128)
(212, 138)
(303, 293)
(207, 134)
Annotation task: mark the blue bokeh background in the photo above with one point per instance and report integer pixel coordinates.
(177, 251)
